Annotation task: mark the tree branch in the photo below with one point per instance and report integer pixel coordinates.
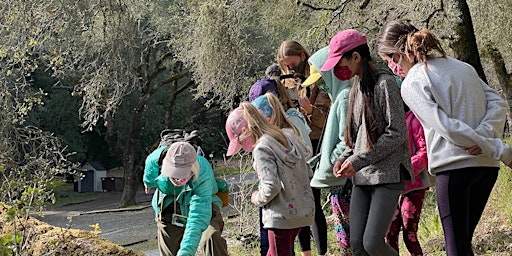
(316, 8)
(431, 15)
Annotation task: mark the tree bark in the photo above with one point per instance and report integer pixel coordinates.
(464, 44)
(504, 78)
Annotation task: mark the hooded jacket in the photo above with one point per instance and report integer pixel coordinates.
(195, 199)
(418, 150)
(284, 191)
(333, 142)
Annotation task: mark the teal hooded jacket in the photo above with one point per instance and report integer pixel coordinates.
(333, 141)
(195, 198)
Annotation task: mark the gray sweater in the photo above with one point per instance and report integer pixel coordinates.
(457, 110)
(382, 163)
(284, 191)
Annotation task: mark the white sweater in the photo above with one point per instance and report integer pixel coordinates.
(457, 110)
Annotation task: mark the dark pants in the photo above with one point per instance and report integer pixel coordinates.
(461, 198)
(281, 241)
(371, 211)
(318, 229)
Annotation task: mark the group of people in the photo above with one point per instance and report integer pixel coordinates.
(378, 133)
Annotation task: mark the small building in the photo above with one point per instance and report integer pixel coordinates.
(89, 177)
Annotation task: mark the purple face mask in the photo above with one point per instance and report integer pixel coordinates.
(343, 73)
(396, 68)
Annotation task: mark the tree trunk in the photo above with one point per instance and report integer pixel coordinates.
(130, 187)
(131, 182)
(463, 43)
(504, 79)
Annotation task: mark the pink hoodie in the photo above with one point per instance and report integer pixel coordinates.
(418, 150)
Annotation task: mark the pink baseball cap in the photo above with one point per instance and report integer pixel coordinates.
(341, 43)
(234, 124)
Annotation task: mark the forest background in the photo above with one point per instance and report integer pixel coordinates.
(97, 80)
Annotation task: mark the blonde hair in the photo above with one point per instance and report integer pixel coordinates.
(402, 36)
(195, 169)
(290, 48)
(278, 116)
(257, 125)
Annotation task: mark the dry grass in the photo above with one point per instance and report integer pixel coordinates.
(44, 239)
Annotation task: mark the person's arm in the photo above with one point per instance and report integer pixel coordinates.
(341, 117)
(151, 168)
(418, 96)
(395, 131)
(200, 210)
(320, 104)
(270, 183)
(493, 122)
(419, 159)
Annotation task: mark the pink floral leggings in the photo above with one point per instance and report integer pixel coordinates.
(407, 217)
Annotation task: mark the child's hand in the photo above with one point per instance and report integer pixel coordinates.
(253, 197)
(336, 169)
(474, 150)
(347, 170)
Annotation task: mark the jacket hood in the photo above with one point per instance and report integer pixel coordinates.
(290, 155)
(335, 85)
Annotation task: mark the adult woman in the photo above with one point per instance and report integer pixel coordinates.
(185, 185)
(463, 119)
(377, 153)
(283, 191)
(314, 104)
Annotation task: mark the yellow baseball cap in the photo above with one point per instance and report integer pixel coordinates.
(313, 76)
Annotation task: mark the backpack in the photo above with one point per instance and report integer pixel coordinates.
(170, 136)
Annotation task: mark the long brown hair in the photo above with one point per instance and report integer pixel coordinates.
(290, 48)
(402, 36)
(366, 86)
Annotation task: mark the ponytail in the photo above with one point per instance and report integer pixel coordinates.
(402, 36)
(422, 43)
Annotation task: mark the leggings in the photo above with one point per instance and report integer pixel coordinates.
(407, 218)
(318, 229)
(340, 203)
(371, 211)
(461, 198)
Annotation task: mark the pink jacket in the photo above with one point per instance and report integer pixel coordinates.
(418, 150)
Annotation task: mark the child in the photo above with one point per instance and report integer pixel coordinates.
(284, 192)
(463, 119)
(410, 203)
(377, 153)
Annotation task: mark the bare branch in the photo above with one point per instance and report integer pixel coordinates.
(316, 8)
(433, 13)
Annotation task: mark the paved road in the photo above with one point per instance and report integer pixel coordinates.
(121, 226)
